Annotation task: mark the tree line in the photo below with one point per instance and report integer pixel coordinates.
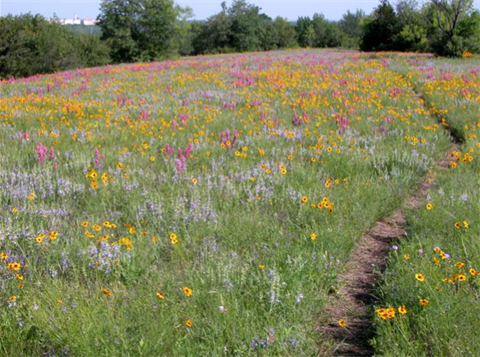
(148, 30)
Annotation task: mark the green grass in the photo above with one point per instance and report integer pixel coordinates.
(260, 282)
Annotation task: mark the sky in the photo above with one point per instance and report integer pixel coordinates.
(202, 9)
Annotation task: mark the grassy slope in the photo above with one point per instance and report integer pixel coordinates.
(245, 245)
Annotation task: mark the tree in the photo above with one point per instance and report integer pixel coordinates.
(412, 26)
(287, 36)
(246, 23)
(350, 25)
(140, 29)
(30, 44)
(448, 14)
(214, 35)
(305, 31)
(453, 26)
(380, 29)
(469, 30)
(327, 33)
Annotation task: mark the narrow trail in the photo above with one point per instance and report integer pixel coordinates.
(356, 295)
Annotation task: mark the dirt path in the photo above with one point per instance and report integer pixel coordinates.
(355, 297)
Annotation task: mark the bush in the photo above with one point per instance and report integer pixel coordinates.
(30, 45)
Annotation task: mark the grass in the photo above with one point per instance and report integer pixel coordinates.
(244, 179)
(443, 236)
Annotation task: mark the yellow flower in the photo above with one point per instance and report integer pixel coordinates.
(429, 206)
(420, 277)
(189, 323)
(160, 295)
(402, 310)
(304, 199)
(342, 323)
(187, 291)
(12, 298)
(313, 236)
(423, 302)
(106, 292)
(14, 266)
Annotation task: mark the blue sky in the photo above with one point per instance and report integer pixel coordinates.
(290, 9)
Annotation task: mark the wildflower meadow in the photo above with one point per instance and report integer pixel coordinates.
(206, 206)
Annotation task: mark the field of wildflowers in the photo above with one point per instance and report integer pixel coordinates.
(205, 206)
(433, 274)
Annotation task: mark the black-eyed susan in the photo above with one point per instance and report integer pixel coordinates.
(428, 206)
(304, 199)
(342, 323)
(189, 323)
(402, 310)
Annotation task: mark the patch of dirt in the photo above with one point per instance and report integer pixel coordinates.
(355, 297)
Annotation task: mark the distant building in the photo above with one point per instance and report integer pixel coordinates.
(77, 21)
(88, 22)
